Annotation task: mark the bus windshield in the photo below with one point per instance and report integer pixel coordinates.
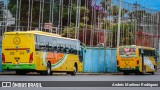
(127, 50)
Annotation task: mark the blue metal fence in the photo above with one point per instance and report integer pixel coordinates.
(99, 60)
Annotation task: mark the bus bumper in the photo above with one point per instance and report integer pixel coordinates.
(18, 66)
(128, 69)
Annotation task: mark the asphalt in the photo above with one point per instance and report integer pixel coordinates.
(10, 76)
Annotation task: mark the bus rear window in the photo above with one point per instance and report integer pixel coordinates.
(127, 50)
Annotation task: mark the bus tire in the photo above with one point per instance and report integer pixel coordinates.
(68, 72)
(152, 73)
(125, 73)
(48, 70)
(137, 73)
(42, 72)
(74, 70)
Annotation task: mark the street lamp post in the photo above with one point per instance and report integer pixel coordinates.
(119, 24)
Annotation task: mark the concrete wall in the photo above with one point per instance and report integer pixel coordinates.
(99, 60)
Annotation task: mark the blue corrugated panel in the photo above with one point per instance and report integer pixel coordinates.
(111, 60)
(94, 60)
(90, 64)
(87, 60)
(99, 60)
(107, 60)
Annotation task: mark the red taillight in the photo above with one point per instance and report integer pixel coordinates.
(137, 61)
(3, 58)
(117, 62)
(31, 57)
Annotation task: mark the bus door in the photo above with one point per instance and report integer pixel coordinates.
(142, 58)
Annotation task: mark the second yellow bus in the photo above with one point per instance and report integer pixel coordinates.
(136, 59)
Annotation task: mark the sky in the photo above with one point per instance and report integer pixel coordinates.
(152, 4)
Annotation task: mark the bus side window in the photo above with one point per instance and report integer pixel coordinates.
(150, 53)
(36, 42)
(54, 44)
(80, 55)
(65, 48)
(58, 47)
(40, 43)
(70, 49)
(146, 53)
(153, 53)
(75, 49)
(50, 43)
(62, 48)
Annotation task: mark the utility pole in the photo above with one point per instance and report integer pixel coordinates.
(119, 24)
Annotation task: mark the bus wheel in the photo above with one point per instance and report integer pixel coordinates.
(48, 71)
(42, 73)
(74, 70)
(125, 73)
(152, 73)
(137, 73)
(68, 72)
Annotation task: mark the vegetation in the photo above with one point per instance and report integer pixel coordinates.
(127, 35)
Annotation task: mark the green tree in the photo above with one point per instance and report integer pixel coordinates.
(35, 11)
(127, 35)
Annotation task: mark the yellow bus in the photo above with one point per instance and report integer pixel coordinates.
(41, 52)
(136, 59)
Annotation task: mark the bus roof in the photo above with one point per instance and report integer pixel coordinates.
(144, 47)
(39, 33)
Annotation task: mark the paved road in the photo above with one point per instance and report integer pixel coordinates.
(81, 77)
(101, 77)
